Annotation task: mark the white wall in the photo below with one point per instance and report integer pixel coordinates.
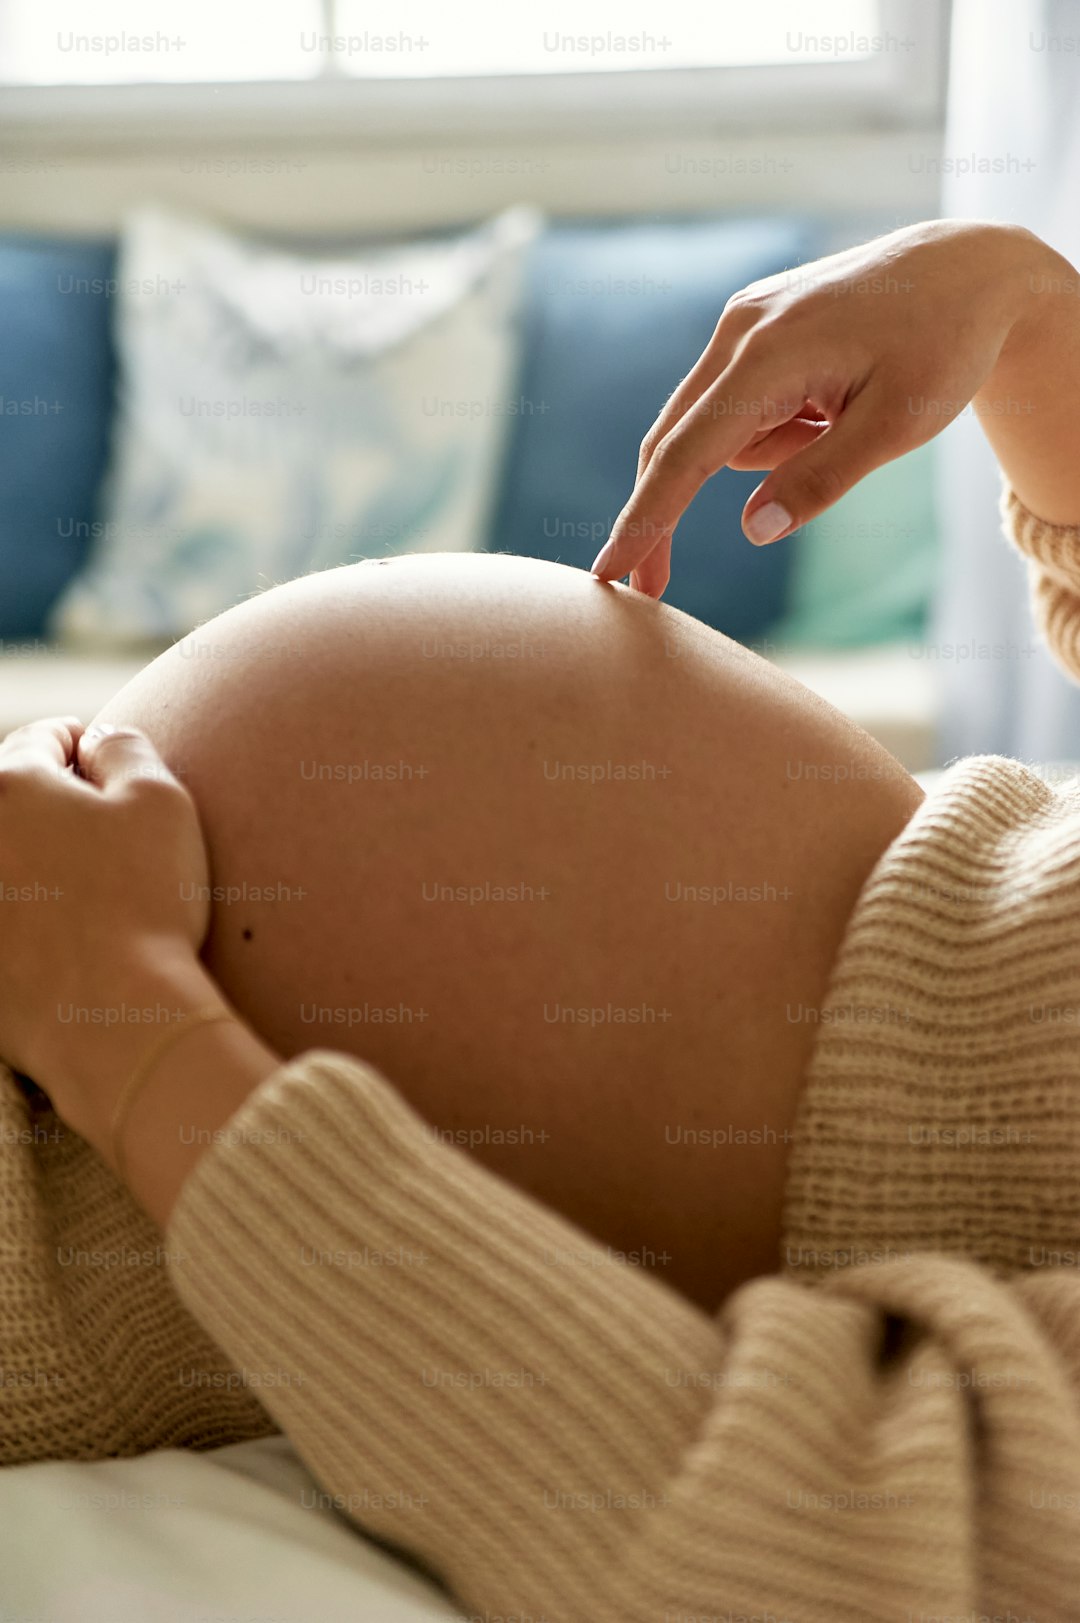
(282, 186)
(322, 157)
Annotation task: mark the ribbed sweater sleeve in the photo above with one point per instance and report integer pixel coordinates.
(940, 1109)
(559, 1436)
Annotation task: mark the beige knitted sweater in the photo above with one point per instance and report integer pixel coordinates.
(889, 1429)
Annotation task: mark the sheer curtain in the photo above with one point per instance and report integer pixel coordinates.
(1014, 110)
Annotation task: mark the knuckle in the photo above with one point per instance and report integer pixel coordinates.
(154, 781)
(743, 301)
(150, 784)
(676, 446)
(16, 765)
(758, 343)
(679, 458)
(745, 307)
(19, 740)
(823, 483)
(666, 457)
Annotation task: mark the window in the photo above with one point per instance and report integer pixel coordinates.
(579, 102)
(60, 42)
(56, 42)
(636, 35)
(632, 59)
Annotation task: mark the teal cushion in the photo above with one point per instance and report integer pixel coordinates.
(865, 571)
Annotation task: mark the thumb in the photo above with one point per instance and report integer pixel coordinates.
(813, 478)
(115, 757)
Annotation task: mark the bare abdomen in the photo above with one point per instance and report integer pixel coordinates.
(568, 867)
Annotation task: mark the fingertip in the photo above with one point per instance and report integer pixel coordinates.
(601, 565)
(73, 726)
(767, 523)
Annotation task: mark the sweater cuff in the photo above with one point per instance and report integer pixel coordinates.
(1055, 548)
(1053, 555)
(941, 1105)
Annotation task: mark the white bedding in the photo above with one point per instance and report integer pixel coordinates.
(178, 1537)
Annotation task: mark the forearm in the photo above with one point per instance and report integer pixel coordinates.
(1029, 406)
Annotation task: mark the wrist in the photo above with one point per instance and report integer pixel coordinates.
(185, 1092)
(182, 1106)
(1040, 283)
(1029, 404)
(91, 1040)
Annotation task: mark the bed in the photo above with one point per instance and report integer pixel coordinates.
(240, 1533)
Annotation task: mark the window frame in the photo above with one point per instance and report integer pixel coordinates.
(889, 91)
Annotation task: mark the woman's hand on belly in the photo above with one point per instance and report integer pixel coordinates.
(104, 871)
(105, 903)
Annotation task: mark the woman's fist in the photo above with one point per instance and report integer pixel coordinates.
(103, 871)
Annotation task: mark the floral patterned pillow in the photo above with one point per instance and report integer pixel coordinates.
(280, 413)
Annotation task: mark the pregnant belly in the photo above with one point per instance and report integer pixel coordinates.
(558, 860)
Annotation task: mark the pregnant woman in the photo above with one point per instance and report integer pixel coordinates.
(449, 985)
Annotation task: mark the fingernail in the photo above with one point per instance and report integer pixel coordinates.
(604, 556)
(766, 523)
(99, 729)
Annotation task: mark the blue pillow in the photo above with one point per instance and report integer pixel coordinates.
(56, 384)
(598, 365)
(616, 315)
